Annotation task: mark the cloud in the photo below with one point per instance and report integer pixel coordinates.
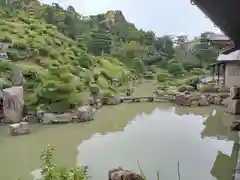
(161, 16)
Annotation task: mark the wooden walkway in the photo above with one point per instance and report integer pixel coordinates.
(139, 99)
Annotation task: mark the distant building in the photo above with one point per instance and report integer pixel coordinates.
(221, 41)
(227, 67)
(225, 15)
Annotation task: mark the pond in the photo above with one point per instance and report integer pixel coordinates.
(155, 135)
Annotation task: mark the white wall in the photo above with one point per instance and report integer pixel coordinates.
(232, 74)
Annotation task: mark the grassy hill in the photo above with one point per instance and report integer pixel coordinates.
(58, 73)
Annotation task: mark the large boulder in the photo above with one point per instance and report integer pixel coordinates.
(98, 103)
(120, 173)
(203, 101)
(84, 113)
(195, 103)
(211, 99)
(13, 104)
(47, 118)
(91, 101)
(218, 100)
(31, 117)
(19, 128)
(63, 118)
(95, 101)
(226, 101)
(182, 100)
(51, 118)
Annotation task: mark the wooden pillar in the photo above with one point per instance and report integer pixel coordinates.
(213, 71)
(218, 73)
(224, 76)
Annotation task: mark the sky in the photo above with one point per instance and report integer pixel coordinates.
(164, 17)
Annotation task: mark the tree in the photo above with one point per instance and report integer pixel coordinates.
(205, 51)
(164, 44)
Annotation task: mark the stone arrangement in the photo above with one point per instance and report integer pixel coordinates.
(188, 99)
(81, 114)
(19, 128)
(119, 173)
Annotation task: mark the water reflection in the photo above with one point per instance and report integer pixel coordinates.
(200, 139)
(217, 125)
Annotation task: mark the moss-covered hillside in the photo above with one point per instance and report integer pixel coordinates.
(58, 73)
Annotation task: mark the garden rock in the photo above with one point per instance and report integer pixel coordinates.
(84, 113)
(203, 101)
(19, 129)
(120, 173)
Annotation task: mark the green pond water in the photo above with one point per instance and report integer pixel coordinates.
(156, 135)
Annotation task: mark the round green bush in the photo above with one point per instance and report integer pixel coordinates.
(6, 39)
(184, 88)
(20, 44)
(193, 81)
(162, 77)
(94, 89)
(197, 71)
(176, 69)
(208, 88)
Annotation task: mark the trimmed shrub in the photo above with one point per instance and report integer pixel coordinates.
(6, 39)
(197, 71)
(176, 69)
(184, 88)
(20, 44)
(208, 88)
(162, 77)
(193, 81)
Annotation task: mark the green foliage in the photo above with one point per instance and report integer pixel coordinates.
(197, 71)
(20, 44)
(94, 89)
(193, 81)
(176, 68)
(107, 98)
(210, 88)
(51, 171)
(204, 51)
(163, 77)
(185, 87)
(6, 39)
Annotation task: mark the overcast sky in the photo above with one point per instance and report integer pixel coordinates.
(161, 16)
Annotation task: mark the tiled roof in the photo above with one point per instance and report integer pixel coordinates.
(218, 37)
(235, 55)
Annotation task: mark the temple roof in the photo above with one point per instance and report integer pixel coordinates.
(224, 14)
(218, 37)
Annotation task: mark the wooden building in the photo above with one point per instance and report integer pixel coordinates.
(224, 14)
(227, 67)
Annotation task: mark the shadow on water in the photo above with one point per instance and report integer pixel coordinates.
(200, 138)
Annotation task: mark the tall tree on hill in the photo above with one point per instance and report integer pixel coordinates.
(100, 42)
(164, 45)
(205, 51)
